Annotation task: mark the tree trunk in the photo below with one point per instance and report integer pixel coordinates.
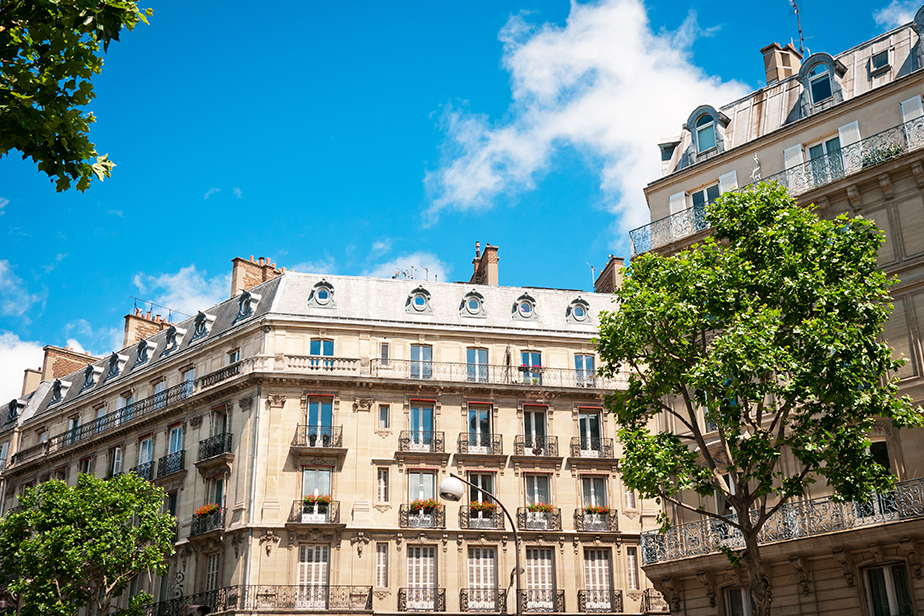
(758, 585)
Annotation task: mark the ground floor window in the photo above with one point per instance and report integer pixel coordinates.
(888, 591)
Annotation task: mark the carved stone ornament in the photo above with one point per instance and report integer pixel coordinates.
(671, 593)
(635, 595)
(706, 579)
(195, 422)
(853, 196)
(381, 594)
(245, 402)
(236, 540)
(909, 546)
(846, 562)
(276, 400)
(876, 549)
(885, 183)
(269, 538)
(918, 170)
(383, 507)
(359, 540)
(383, 433)
(364, 404)
(398, 539)
(798, 563)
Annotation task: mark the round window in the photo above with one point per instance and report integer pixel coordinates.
(473, 305)
(525, 309)
(323, 296)
(420, 302)
(579, 313)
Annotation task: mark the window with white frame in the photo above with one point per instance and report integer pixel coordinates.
(540, 579)
(421, 578)
(421, 362)
(319, 431)
(145, 451)
(820, 83)
(321, 348)
(384, 416)
(420, 485)
(584, 370)
(705, 133)
(313, 567)
(631, 503)
(722, 507)
(476, 365)
(115, 462)
(597, 581)
(534, 430)
(4, 452)
(531, 367)
(160, 397)
(381, 565)
(175, 440)
(705, 195)
(479, 428)
(381, 485)
(589, 421)
(216, 490)
(482, 578)
(234, 356)
(316, 481)
(632, 567)
(594, 490)
(888, 592)
(738, 602)
(384, 352)
(879, 61)
(85, 466)
(212, 563)
(537, 489)
(421, 426)
(100, 414)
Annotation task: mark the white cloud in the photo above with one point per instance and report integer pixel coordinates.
(188, 290)
(425, 266)
(15, 356)
(3, 203)
(604, 83)
(118, 213)
(896, 13)
(211, 191)
(76, 346)
(15, 299)
(237, 192)
(381, 246)
(327, 265)
(97, 342)
(51, 266)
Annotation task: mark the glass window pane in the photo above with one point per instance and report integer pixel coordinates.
(902, 594)
(706, 138)
(699, 198)
(315, 348)
(821, 89)
(878, 595)
(712, 193)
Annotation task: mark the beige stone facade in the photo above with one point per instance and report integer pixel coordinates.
(853, 145)
(371, 392)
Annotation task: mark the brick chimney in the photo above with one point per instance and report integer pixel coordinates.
(610, 278)
(485, 265)
(780, 62)
(248, 274)
(141, 325)
(60, 362)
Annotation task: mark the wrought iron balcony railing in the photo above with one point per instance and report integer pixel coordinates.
(214, 446)
(421, 599)
(202, 524)
(145, 471)
(792, 521)
(488, 444)
(270, 598)
(318, 436)
(600, 601)
(491, 374)
(424, 518)
(318, 513)
(538, 520)
(533, 445)
(107, 422)
(213, 378)
(488, 520)
(815, 173)
(591, 447)
(596, 522)
(653, 601)
(171, 463)
(482, 600)
(542, 600)
(425, 442)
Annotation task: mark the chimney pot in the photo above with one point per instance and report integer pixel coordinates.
(251, 258)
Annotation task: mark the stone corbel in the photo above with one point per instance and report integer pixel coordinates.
(398, 539)
(270, 538)
(846, 562)
(195, 422)
(363, 404)
(918, 170)
(876, 549)
(359, 540)
(885, 183)
(853, 196)
(705, 578)
(798, 563)
(275, 400)
(909, 547)
(822, 205)
(244, 402)
(671, 594)
(459, 543)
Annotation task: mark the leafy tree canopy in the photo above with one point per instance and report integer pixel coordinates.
(49, 50)
(67, 547)
(767, 333)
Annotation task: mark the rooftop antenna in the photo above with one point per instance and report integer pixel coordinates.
(799, 22)
(593, 274)
(426, 274)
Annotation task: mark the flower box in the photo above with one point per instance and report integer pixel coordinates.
(483, 506)
(596, 510)
(540, 508)
(426, 505)
(205, 510)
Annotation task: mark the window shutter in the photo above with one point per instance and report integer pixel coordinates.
(912, 111)
(849, 134)
(116, 460)
(728, 182)
(597, 570)
(678, 202)
(381, 565)
(793, 156)
(851, 148)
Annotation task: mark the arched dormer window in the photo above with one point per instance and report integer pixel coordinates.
(524, 308)
(706, 125)
(578, 311)
(705, 133)
(418, 302)
(174, 337)
(472, 305)
(818, 75)
(247, 304)
(322, 295)
(202, 325)
(820, 83)
(59, 390)
(90, 375)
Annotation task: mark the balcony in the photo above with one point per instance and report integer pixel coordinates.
(107, 422)
(480, 520)
(538, 520)
(491, 374)
(320, 513)
(421, 442)
(542, 600)
(271, 599)
(793, 520)
(215, 455)
(482, 600)
(591, 447)
(171, 463)
(596, 522)
(653, 602)
(851, 159)
(424, 518)
(481, 444)
(145, 471)
(210, 522)
(213, 378)
(600, 601)
(318, 437)
(421, 599)
(533, 445)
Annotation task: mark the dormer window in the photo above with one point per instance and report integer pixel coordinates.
(820, 83)
(247, 303)
(879, 61)
(525, 307)
(418, 302)
(59, 390)
(116, 363)
(90, 375)
(472, 305)
(174, 337)
(145, 349)
(322, 295)
(578, 311)
(202, 325)
(705, 133)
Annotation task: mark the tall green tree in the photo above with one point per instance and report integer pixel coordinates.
(767, 333)
(49, 51)
(67, 547)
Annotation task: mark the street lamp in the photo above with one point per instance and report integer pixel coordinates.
(451, 489)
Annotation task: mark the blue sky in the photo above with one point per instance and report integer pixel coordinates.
(361, 138)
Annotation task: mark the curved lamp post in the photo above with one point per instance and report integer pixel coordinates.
(452, 489)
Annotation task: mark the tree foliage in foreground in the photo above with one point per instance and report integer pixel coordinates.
(72, 546)
(770, 332)
(49, 51)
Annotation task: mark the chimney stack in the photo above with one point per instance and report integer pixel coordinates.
(485, 265)
(780, 62)
(610, 278)
(141, 325)
(61, 362)
(248, 274)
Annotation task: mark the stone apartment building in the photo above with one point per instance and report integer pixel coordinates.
(844, 134)
(301, 428)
